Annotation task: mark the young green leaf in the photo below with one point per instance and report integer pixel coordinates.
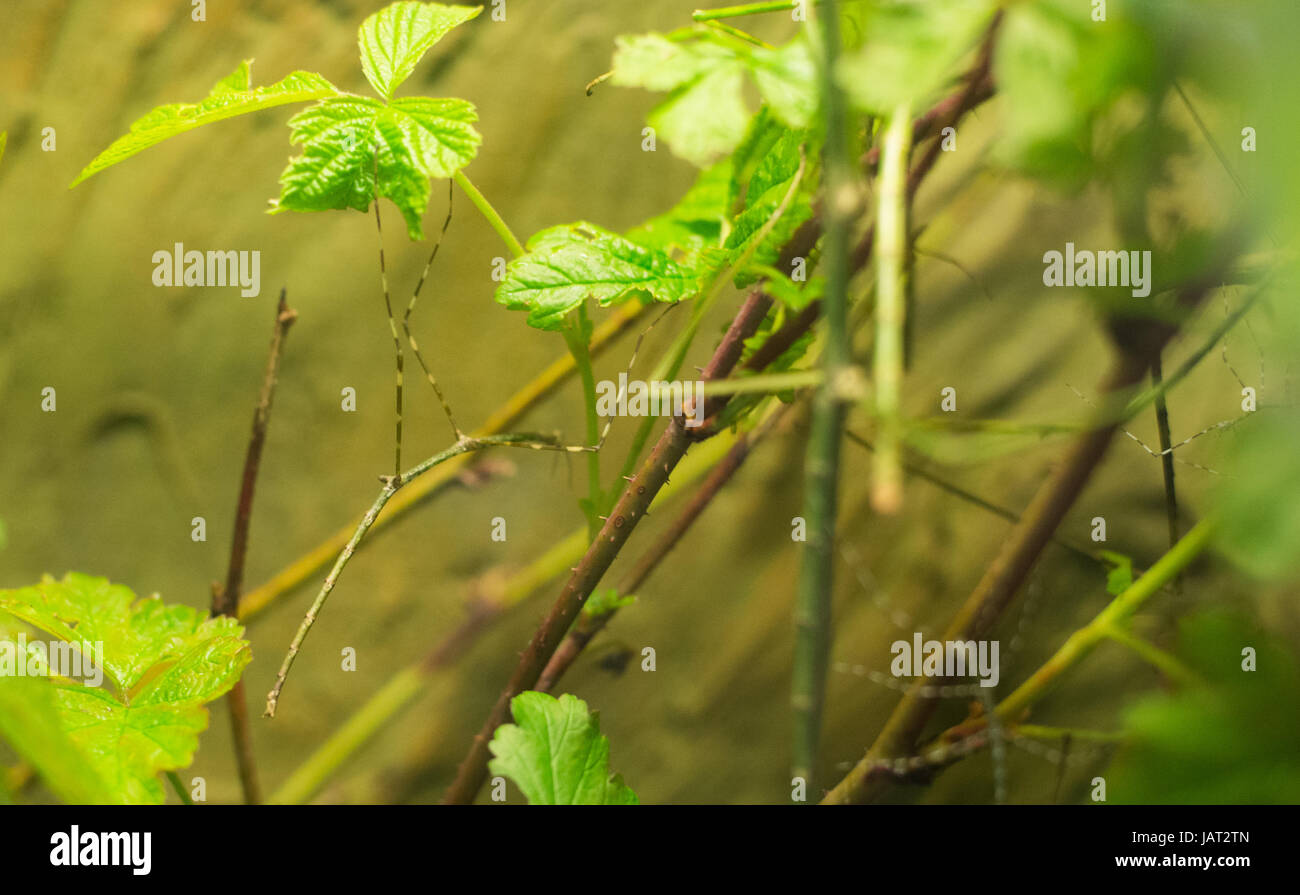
(231, 96)
(1119, 574)
(393, 40)
(556, 754)
(417, 139)
(1232, 739)
(568, 264)
(164, 662)
(605, 601)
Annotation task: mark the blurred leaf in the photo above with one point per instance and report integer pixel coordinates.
(1057, 72)
(231, 96)
(567, 264)
(164, 662)
(417, 139)
(555, 753)
(704, 116)
(1119, 574)
(911, 51)
(1234, 740)
(393, 40)
(1260, 528)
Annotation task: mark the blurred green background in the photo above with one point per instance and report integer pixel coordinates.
(156, 388)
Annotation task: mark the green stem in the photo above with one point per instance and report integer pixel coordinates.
(174, 779)
(821, 467)
(891, 291)
(1153, 655)
(485, 208)
(745, 9)
(1113, 618)
(576, 336)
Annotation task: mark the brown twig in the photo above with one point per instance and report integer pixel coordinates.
(591, 625)
(627, 513)
(225, 600)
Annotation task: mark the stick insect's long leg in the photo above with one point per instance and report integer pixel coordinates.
(406, 320)
(397, 342)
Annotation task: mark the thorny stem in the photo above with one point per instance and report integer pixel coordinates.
(589, 626)
(812, 614)
(627, 513)
(225, 600)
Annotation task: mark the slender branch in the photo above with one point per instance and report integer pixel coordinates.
(812, 614)
(589, 626)
(484, 609)
(391, 484)
(971, 498)
(891, 290)
(627, 513)
(493, 218)
(225, 600)
(532, 394)
(1166, 452)
(576, 336)
(1011, 710)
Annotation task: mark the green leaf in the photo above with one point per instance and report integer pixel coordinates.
(164, 662)
(416, 139)
(1260, 530)
(767, 189)
(1119, 575)
(911, 50)
(568, 264)
(31, 723)
(230, 96)
(1233, 740)
(787, 81)
(4, 140)
(393, 40)
(555, 753)
(1057, 72)
(605, 601)
(704, 116)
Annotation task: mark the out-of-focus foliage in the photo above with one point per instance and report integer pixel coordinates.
(1234, 739)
